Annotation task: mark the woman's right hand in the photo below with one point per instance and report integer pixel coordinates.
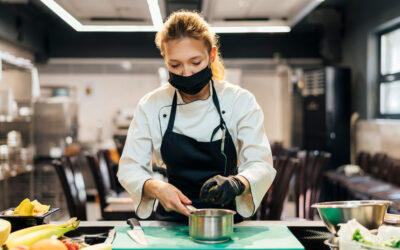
(171, 198)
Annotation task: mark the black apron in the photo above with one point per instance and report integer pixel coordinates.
(190, 163)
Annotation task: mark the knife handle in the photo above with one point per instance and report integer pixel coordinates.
(134, 223)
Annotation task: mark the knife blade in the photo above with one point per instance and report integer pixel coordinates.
(110, 237)
(137, 233)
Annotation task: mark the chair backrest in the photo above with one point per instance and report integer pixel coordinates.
(377, 164)
(106, 163)
(119, 143)
(308, 181)
(285, 167)
(74, 190)
(316, 181)
(394, 172)
(364, 160)
(276, 148)
(299, 189)
(79, 184)
(99, 179)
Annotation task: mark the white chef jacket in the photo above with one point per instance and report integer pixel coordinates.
(243, 117)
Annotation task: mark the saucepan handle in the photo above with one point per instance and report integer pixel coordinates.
(191, 209)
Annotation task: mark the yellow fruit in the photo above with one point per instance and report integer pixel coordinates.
(25, 208)
(29, 230)
(5, 229)
(39, 208)
(100, 246)
(47, 244)
(31, 238)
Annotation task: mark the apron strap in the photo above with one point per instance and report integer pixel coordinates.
(216, 103)
(222, 124)
(172, 114)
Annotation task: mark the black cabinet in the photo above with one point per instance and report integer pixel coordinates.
(325, 111)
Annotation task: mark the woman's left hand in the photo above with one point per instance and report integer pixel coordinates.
(221, 189)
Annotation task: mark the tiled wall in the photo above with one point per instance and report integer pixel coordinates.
(379, 136)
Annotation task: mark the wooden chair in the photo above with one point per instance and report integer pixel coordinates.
(119, 143)
(276, 148)
(285, 167)
(74, 188)
(106, 162)
(364, 160)
(394, 173)
(308, 181)
(101, 178)
(272, 204)
(378, 162)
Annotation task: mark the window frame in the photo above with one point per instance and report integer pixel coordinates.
(384, 79)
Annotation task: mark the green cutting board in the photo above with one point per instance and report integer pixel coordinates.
(177, 237)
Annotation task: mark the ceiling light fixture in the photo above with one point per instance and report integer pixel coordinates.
(155, 14)
(237, 27)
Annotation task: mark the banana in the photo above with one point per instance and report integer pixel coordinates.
(44, 233)
(28, 230)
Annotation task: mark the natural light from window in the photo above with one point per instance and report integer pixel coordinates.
(390, 73)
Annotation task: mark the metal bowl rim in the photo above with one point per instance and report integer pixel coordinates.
(351, 204)
(227, 211)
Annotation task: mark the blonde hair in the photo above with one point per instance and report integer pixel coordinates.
(191, 24)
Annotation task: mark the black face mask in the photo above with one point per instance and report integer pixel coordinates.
(191, 84)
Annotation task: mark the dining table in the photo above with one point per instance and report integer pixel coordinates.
(311, 234)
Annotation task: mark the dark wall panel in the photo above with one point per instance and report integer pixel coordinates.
(362, 17)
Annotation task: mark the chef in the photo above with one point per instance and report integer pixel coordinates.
(208, 132)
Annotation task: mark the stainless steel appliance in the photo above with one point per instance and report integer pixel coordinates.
(55, 124)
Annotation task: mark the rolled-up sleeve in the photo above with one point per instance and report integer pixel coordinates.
(254, 156)
(134, 166)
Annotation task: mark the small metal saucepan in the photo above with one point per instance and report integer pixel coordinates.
(210, 225)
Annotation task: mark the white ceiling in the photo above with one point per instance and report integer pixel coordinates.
(127, 11)
(245, 9)
(116, 12)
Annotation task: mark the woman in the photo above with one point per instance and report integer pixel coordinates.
(209, 133)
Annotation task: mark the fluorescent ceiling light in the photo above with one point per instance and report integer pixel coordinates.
(78, 26)
(155, 14)
(232, 27)
(62, 13)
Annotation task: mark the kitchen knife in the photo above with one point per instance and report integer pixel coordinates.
(137, 233)
(110, 237)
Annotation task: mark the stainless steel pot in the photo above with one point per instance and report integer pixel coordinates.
(210, 225)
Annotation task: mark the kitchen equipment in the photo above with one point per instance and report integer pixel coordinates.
(14, 139)
(110, 237)
(177, 237)
(6, 102)
(210, 225)
(393, 219)
(137, 233)
(369, 213)
(55, 119)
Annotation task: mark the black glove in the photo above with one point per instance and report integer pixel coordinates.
(220, 189)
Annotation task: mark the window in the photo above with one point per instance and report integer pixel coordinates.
(389, 77)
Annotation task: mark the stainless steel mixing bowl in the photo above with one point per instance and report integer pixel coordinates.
(369, 213)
